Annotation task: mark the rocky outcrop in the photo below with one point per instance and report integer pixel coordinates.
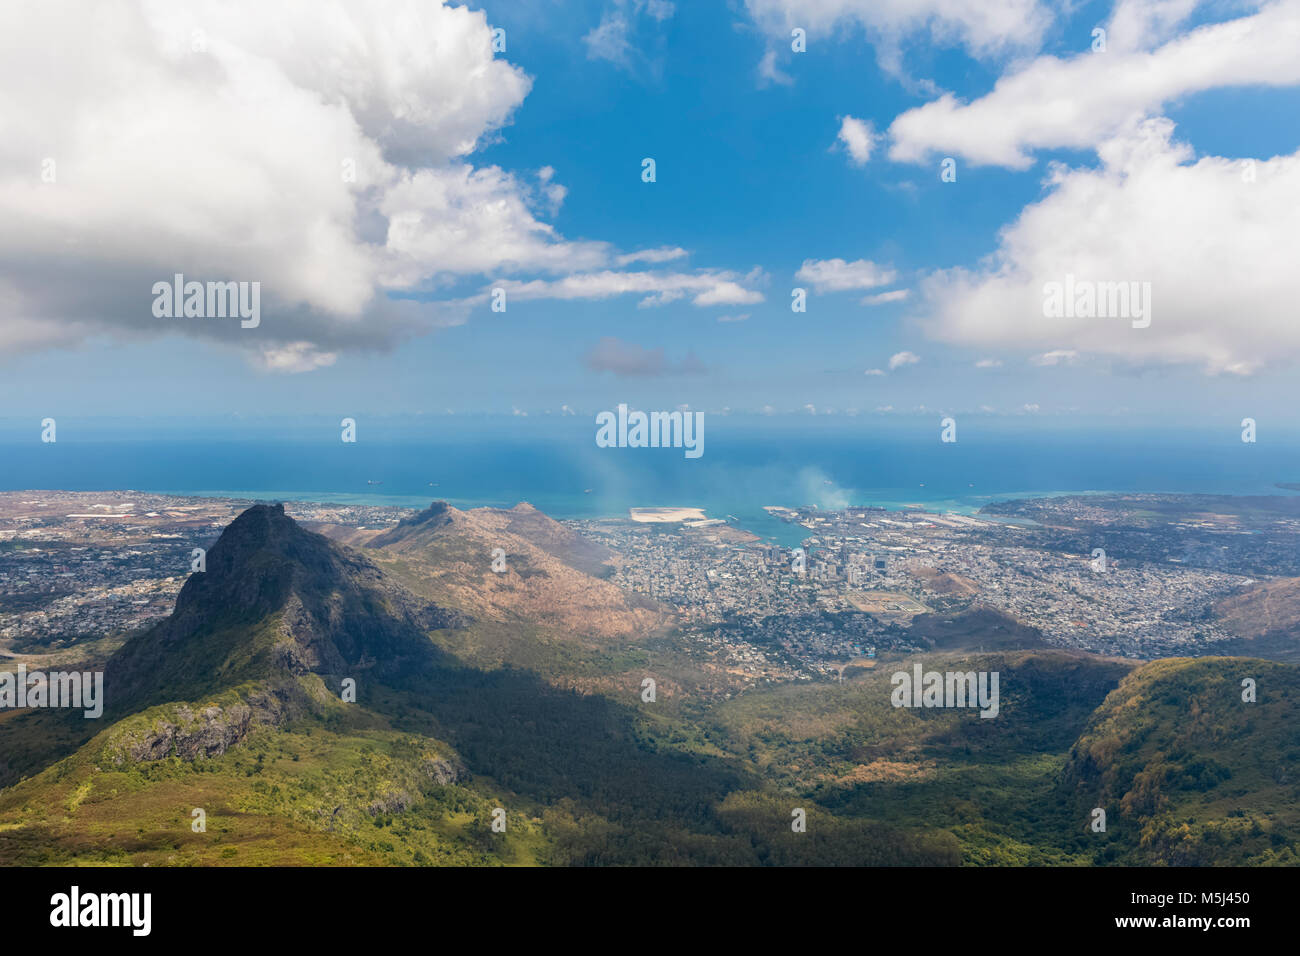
(188, 734)
(433, 770)
(444, 772)
(431, 617)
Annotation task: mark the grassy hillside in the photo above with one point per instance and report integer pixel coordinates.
(337, 788)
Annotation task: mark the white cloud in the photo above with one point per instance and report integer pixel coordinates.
(231, 161)
(979, 25)
(552, 192)
(874, 371)
(734, 318)
(1083, 100)
(1138, 24)
(704, 288)
(898, 295)
(461, 220)
(613, 39)
(296, 357)
(1055, 357)
(858, 137)
(769, 73)
(899, 359)
(662, 254)
(610, 40)
(1213, 237)
(319, 147)
(836, 275)
(989, 363)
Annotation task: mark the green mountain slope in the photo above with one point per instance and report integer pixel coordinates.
(1190, 773)
(233, 706)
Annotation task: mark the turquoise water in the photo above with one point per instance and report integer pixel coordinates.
(561, 471)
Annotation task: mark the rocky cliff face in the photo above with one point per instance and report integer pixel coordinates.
(208, 733)
(275, 601)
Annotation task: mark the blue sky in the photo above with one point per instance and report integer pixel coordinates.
(752, 184)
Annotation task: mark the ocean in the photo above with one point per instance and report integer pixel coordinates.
(557, 467)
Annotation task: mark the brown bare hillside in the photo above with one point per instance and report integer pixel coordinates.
(525, 521)
(1264, 618)
(944, 582)
(1268, 607)
(449, 552)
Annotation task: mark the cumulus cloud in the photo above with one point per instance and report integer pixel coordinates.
(899, 359)
(295, 357)
(460, 220)
(319, 147)
(1079, 101)
(1221, 268)
(836, 275)
(223, 153)
(858, 137)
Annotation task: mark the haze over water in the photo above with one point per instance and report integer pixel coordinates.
(557, 467)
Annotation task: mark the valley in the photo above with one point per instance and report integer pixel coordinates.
(520, 690)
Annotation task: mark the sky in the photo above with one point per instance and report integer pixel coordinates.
(379, 169)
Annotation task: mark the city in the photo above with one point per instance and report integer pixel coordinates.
(78, 567)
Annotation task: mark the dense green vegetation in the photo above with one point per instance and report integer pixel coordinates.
(233, 706)
(586, 780)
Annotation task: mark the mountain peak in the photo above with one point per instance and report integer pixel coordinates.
(438, 515)
(275, 600)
